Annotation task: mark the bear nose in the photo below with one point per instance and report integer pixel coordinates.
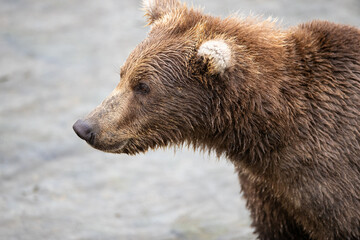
(84, 130)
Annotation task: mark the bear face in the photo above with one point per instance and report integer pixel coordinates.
(161, 98)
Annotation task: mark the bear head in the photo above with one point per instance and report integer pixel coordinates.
(168, 84)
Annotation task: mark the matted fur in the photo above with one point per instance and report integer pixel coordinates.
(286, 112)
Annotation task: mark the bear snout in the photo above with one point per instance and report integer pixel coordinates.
(84, 130)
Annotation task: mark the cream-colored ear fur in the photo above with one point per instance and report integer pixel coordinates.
(218, 53)
(155, 9)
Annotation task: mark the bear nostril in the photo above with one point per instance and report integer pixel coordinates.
(92, 139)
(84, 130)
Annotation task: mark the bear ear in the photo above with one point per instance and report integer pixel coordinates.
(155, 9)
(215, 56)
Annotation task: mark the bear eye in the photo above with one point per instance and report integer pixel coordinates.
(142, 88)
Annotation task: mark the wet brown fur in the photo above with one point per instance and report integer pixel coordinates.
(286, 113)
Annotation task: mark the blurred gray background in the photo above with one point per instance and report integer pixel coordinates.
(58, 60)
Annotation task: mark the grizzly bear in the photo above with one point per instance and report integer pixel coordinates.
(282, 105)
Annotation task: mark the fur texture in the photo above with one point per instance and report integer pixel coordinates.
(284, 108)
(156, 9)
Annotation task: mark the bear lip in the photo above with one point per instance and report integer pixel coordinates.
(115, 148)
(122, 145)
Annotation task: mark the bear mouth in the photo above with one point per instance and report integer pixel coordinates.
(129, 146)
(118, 147)
(134, 146)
